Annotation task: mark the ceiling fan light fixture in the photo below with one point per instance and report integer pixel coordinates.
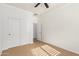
(46, 5)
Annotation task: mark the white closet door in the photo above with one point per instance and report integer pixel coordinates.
(13, 32)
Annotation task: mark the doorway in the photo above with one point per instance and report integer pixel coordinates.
(37, 31)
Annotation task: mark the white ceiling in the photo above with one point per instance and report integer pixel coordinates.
(39, 10)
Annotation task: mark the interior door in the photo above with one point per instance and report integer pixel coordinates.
(13, 32)
(39, 31)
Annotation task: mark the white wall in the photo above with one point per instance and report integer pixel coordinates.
(16, 22)
(61, 27)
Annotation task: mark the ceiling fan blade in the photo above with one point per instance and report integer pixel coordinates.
(46, 5)
(36, 4)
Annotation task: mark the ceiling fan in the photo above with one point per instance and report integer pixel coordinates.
(46, 5)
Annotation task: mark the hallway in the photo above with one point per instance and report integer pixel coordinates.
(38, 48)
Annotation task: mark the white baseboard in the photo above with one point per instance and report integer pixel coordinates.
(61, 47)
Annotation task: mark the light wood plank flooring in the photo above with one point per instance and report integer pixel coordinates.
(36, 49)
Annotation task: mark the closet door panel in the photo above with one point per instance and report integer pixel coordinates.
(5, 33)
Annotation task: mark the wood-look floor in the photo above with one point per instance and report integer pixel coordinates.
(26, 50)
